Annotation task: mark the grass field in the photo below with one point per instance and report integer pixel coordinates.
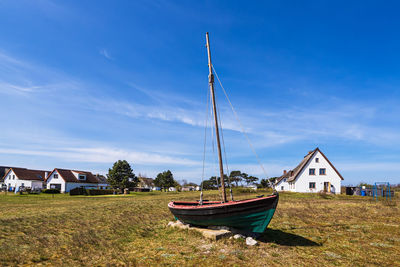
(307, 229)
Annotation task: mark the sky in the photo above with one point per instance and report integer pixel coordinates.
(86, 83)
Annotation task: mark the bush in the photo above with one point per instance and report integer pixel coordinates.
(241, 190)
(95, 192)
(51, 191)
(78, 191)
(90, 192)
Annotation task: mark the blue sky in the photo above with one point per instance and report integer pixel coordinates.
(85, 83)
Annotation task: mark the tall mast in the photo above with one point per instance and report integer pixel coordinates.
(211, 83)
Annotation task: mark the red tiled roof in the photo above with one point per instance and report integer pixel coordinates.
(69, 177)
(27, 174)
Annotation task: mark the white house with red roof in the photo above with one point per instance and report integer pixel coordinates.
(66, 180)
(315, 173)
(22, 177)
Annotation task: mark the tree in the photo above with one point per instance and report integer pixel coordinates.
(236, 177)
(208, 185)
(266, 182)
(121, 175)
(251, 179)
(165, 180)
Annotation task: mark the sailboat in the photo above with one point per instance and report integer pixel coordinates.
(250, 215)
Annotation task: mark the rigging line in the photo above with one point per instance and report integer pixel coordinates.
(240, 123)
(205, 145)
(223, 145)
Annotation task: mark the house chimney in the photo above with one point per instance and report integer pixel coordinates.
(45, 175)
(284, 172)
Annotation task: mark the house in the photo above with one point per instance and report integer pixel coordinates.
(22, 177)
(3, 171)
(252, 187)
(315, 173)
(147, 183)
(103, 183)
(188, 188)
(65, 180)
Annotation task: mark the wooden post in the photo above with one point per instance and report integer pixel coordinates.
(211, 83)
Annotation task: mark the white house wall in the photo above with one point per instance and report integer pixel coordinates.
(37, 184)
(282, 185)
(52, 180)
(303, 180)
(13, 183)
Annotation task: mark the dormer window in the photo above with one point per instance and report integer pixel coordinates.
(55, 176)
(82, 177)
(316, 160)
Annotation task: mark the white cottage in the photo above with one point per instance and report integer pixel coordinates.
(65, 180)
(315, 173)
(21, 177)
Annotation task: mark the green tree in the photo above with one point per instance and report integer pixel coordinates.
(266, 182)
(236, 177)
(245, 177)
(251, 179)
(165, 180)
(210, 184)
(121, 175)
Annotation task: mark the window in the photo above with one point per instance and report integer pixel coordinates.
(282, 188)
(82, 177)
(284, 180)
(55, 176)
(322, 171)
(316, 160)
(312, 185)
(13, 176)
(311, 171)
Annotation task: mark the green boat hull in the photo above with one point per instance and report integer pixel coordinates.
(255, 222)
(252, 215)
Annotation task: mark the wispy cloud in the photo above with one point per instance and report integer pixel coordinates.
(11, 88)
(266, 126)
(102, 155)
(106, 54)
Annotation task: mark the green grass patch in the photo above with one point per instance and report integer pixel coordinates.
(307, 230)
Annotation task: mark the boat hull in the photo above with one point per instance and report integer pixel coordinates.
(251, 215)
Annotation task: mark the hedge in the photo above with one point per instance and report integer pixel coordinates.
(78, 191)
(94, 192)
(51, 191)
(90, 192)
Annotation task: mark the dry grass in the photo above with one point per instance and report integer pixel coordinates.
(307, 229)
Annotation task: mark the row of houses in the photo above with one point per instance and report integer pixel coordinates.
(65, 180)
(148, 183)
(62, 179)
(315, 173)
